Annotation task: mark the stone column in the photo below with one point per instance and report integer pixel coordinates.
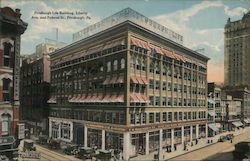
(126, 146)
(191, 133)
(103, 139)
(160, 140)
(147, 143)
(182, 135)
(59, 128)
(197, 131)
(172, 139)
(71, 131)
(85, 136)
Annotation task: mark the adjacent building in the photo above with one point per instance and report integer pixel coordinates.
(237, 52)
(11, 29)
(35, 87)
(128, 86)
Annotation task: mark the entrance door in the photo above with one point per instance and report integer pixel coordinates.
(79, 133)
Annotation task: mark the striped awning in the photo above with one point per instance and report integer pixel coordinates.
(139, 43)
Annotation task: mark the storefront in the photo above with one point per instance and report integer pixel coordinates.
(94, 138)
(113, 141)
(154, 141)
(138, 142)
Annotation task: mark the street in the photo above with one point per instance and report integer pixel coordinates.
(218, 151)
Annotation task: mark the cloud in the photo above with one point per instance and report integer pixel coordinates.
(234, 12)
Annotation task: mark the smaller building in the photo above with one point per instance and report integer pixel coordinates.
(35, 87)
(231, 110)
(214, 109)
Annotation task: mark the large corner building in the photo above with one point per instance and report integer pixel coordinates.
(127, 86)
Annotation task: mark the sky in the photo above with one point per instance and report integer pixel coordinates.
(201, 23)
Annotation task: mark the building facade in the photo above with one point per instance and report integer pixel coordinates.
(231, 112)
(128, 88)
(12, 27)
(35, 87)
(237, 52)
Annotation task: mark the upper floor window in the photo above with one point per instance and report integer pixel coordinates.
(7, 54)
(122, 63)
(109, 66)
(115, 65)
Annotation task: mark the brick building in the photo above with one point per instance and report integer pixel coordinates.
(131, 86)
(35, 87)
(11, 28)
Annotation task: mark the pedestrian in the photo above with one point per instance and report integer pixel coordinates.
(231, 141)
(175, 147)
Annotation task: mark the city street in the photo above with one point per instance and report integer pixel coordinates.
(218, 151)
(48, 155)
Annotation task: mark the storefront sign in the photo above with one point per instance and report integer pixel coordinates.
(21, 129)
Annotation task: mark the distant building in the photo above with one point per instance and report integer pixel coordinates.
(11, 29)
(242, 93)
(231, 109)
(35, 87)
(214, 108)
(128, 88)
(237, 52)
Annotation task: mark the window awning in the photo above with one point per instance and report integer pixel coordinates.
(114, 43)
(52, 100)
(144, 79)
(82, 98)
(168, 53)
(145, 98)
(94, 49)
(237, 123)
(133, 79)
(157, 49)
(211, 113)
(213, 127)
(113, 98)
(120, 79)
(139, 43)
(133, 98)
(113, 80)
(88, 98)
(120, 98)
(139, 97)
(107, 80)
(139, 80)
(93, 98)
(106, 98)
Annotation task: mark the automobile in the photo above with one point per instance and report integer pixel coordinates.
(230, 136)
(222, 138)
(70, 149)
(54, 144)
(242, 150)
(42, 139)
(28, 145)
(85, 153)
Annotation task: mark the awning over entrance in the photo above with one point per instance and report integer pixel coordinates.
(213, 127)
(237, 124)
(247, 121)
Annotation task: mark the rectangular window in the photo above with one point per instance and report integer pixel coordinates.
(169, 86)
(169, 101)
(132, 118)
(157, 85)
(189, 115)
(185, 116)
(157, 117)
(157, 101)
(151, 117)
(151, 84)
(180, 116)
(175, 101)
(169, 116)
(164, 116)
(144, 116)
(175, 116)
(180, 102)
(137, 118)
(164, 86)
(164, 101)
(175, 87)
(151, 98)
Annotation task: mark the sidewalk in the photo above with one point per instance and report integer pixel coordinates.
(202, 143)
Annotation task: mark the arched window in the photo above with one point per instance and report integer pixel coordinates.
(122, 63)
(109, 66)
(7, 54)
(5, 123)
(115, 65)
